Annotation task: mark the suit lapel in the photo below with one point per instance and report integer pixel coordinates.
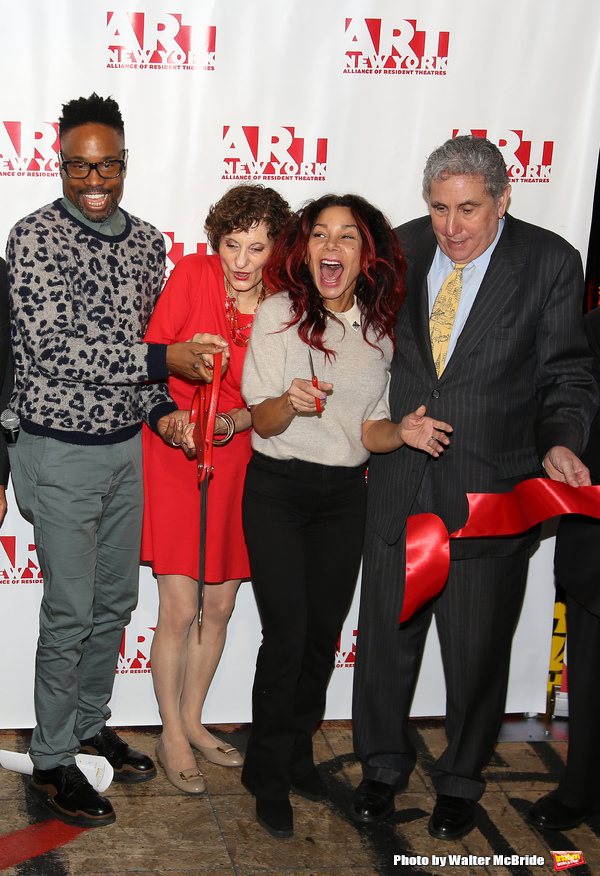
(418, 302)
(497, 291)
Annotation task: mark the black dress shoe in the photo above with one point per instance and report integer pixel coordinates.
(311, 786)
(70, 797)
(373, 801)
(276, 816)
(452, 817)
(129, 765)
(550, 814)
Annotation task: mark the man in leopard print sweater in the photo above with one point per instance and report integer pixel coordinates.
(83, 278)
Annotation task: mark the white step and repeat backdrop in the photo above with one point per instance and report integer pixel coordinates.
(309, 97)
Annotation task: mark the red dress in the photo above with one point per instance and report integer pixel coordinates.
(194, 301)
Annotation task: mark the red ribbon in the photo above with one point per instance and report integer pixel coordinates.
(490, 514)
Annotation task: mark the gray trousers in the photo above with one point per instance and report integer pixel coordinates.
(85, 503)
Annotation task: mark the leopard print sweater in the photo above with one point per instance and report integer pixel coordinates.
(80, 302)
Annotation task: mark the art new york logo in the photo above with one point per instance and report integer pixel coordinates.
(28, 149)
(177, 249)
(528, 161)
(346, 650)
(18, 561)
(134, 653)
(394, 46)
(148, 41)
(281, 153)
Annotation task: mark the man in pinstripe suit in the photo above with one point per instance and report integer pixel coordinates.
(518, 391)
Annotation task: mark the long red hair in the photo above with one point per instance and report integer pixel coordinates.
(379, 288)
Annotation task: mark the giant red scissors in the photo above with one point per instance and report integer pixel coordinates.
(202, 415)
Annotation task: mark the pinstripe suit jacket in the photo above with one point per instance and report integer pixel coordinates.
(518, 382)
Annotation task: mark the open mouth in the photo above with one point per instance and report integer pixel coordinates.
(95, 200)
(331, 271)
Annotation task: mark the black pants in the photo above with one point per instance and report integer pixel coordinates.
(304, 527)
(579, 786)
(476, 615)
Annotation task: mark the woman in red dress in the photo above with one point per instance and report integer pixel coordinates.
(216, 295)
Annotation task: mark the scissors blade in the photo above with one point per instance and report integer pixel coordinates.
(315, 382)
(202, 556)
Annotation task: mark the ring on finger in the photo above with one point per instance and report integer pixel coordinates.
(175, 444)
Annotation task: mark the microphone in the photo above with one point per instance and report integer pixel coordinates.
(10, 424)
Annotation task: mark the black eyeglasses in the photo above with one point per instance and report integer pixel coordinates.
(109, 169)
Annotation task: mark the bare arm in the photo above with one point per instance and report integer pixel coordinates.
(273, 415)
(242, 420)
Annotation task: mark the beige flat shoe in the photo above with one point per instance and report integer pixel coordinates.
(189, 781)
(223, 754)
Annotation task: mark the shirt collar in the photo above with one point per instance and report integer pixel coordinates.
(112, 226)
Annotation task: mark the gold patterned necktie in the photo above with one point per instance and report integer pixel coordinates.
(443, 316)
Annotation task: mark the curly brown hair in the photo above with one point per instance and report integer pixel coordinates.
(243, 207)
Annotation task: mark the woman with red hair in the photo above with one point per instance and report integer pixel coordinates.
(337, 270)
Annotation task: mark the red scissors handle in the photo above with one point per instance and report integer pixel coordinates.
(203, 413)
(315, 383)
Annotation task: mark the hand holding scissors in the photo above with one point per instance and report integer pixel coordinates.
(301, 394)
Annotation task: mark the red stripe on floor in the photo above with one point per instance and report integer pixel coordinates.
(20, 845)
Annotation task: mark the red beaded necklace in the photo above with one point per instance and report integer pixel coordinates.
(235, 330)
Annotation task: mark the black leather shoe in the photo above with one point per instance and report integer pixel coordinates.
(276, 816)
(129, 765)
(311, 786)
(550, 814)
(373, 801)
(452, 817)
(70, 797)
